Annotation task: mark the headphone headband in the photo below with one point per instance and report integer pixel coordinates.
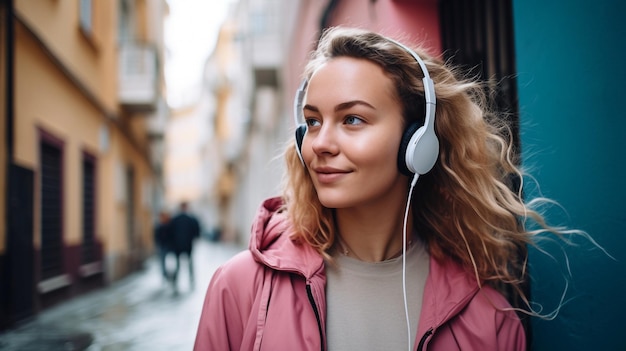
(429, 86)
(298, 102)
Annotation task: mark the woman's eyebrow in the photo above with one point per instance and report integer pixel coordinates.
(349, 104)
(311, 107)
(341, 106)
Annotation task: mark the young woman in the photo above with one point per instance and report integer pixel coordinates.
(398, 226)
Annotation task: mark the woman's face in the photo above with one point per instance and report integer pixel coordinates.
(354, 128)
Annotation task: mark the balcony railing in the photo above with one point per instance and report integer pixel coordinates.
(138, 77)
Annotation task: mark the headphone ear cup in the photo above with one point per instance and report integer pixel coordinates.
(300, 131)
(404, 144)
(422, 151)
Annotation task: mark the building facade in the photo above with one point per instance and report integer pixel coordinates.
(84, 124)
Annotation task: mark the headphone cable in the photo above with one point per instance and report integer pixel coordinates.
(404, 240)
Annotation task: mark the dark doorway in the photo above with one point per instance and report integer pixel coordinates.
(21, 279)
(89, 248)
(51, 205)
(478, 36)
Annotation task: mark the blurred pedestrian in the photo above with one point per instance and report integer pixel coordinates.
(162, 238)
(185, 228)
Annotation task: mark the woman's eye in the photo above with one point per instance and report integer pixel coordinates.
(353, 120)
(311, 122)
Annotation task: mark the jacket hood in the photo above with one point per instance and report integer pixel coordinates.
(271, 243)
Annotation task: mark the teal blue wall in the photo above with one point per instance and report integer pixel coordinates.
(571, 60)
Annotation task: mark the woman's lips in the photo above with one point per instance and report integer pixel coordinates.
(326, 175)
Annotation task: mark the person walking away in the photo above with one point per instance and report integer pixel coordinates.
(185, 229)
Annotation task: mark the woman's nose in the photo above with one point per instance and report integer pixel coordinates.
(324, 140)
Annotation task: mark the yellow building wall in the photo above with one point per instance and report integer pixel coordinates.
(91, 58)
(54, 97)
(122, 155)
(46, 100)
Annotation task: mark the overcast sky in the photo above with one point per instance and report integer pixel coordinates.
(190, 36)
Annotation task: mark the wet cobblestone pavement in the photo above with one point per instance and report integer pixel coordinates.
(139, 312)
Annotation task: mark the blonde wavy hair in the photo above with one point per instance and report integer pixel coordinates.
(466, 208)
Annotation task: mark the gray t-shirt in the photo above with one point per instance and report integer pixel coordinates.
(365, 301)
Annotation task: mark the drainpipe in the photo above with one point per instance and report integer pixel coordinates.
(5, 303)
(10, 50)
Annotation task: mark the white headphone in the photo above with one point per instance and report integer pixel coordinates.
(419, 147)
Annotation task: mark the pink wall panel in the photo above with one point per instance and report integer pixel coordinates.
(412, 21)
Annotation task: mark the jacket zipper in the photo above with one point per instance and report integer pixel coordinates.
(428, 333)
(317, 314)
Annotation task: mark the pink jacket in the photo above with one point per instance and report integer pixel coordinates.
(271, 297)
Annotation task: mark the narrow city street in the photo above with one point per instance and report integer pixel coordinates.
(139, 312)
